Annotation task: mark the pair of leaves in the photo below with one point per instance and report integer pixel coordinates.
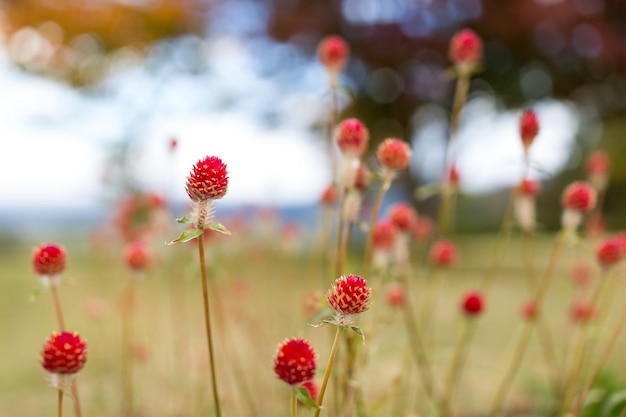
(355, 329)
(190, 234)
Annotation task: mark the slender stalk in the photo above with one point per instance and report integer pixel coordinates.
(578, 356)
(294, 404)
(340, 229)
(369, 247)
(514, 364)
(458, 360)
(503, 239)
(59, 313)
(428, 313)
(331, 360)
(604, 357)
(207, 321)
(127, 332)
(60, 404)
(332, 119)
(418, 349)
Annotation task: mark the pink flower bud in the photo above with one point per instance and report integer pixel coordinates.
(330, 196)
(579, 196)
(137, 256)
(443, 253)
(581, 312)
(529, 310)
(49, 259)
(295, 361)
(351, 137)
(466, 47)
(208, 179)
(395, 295)
(528, 127)
(609, 252)
(393, 154)
(529, 187)
(333, 53)
(403, 216)
(362, 180)
(472, 304)
(348, 296)
(384, 234)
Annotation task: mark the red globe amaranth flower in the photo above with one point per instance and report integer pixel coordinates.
(579, 196)
(395, 295)
(529, 187)
(173, 144)
(362, 180)
(598, 163)
(208, 179)
(393, 154)
(424, 228)
(473, 304)
(313, 389)
(330, 196)
(137, 256)
(529, 310)
(403, 216)
(49, 259)
(454, 176)
(352, 137)
(333, 52)
(581, 312)
(466, 47)
(64, 353)
(295, 361)
(443, 253)
(609, 252)
(384, 234)
(349, 295)
(528, 127)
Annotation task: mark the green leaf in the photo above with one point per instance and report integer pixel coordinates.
(217, 227)
(614, 405)
(426, 191)
(324, 322)
(302, 394)
(359, 331)
(186, 220)
(186, 236)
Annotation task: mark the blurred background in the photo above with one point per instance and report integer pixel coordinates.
(102, 97)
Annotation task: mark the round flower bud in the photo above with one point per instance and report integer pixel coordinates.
(403, 216)
(579, 196)
(295, 361)
(64, 353)
(454, 176)
(393, 154)
(598, 162)
(362, 179)
(472, 304)
(581, 312)
(384, 234)
(333, 53)
(529, 187)
(313, 389)
(466, 48)
(208, 180)
(529, 310)
(528, 127)
(351, 137)
(349, 295)
(137, 256)
(330, 196)
(609, 252)
(443, 253)
(395, 295)
(49, 259)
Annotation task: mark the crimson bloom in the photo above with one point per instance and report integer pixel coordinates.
(348, 296)
(466, 47)
(49, 259)
(295, 361)
(333, 53)
(393, 154)
(528, 127)
(443, 253)
(208, 180)
(472, 304)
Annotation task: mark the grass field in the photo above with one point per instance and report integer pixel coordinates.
(258, 289)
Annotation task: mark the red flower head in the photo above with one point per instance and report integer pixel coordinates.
(443, 253)
(393, 154)
(137, 256)
(528, 128)
(466, 47)
(581, 312)
(333, 52)
(384, 234)
(579, 196)
(330, 196)
(313, 389)
(473, 304)
(352, 137)
(609, 252)
(529, 310)
(49, 259)
(423, 228)
(454, 176)
(598, 163)
(395, 295)
(208, 179)
(295, 361)
(362, 180)
(64, 353)
(403, 216)
(349, 295)
(529, 187)
(581, 274)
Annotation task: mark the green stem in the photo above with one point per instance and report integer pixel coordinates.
(369, 247)
(60, 404)
(331, 360)
(207, 321)
(127, 372)
(454, 372)
(503, 239)
(340, 229)
(294, 404)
